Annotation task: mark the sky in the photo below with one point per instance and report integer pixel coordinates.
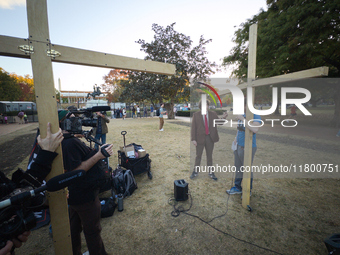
(114, 27)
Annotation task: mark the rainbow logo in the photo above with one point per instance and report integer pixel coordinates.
(209, 93)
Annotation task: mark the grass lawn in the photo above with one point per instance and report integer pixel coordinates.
(290, 215)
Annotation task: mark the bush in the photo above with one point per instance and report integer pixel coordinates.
(183, 113)
(187, 113)
(219, 111)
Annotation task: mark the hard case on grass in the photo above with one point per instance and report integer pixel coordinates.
(136, 165)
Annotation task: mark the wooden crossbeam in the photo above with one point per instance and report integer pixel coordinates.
(16, 47)
(309, 73)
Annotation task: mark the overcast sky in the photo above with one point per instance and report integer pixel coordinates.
(113, 27)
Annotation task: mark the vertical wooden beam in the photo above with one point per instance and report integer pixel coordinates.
(47, 111)
(248, 134)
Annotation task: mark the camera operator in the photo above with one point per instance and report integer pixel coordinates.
(40, 168)
(101, 130)
(84, 204)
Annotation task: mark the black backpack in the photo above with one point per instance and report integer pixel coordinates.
(108, 207)
(157, 112)
(124, 182)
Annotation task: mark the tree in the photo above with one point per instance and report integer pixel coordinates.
(175, 48)
(26, 85)
(57, 94)
(9, 88)
(112, 84)
(293, 36)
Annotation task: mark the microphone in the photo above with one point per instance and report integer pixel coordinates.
(56, 183)
(101, 108)
(62, 181)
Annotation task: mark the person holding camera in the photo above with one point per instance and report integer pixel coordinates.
(84, 204)
(101, 130)
(39, 168)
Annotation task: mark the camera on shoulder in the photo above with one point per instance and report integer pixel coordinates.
(84, 117)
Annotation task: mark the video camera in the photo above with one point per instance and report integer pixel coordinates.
(16, 212)
(74, 124)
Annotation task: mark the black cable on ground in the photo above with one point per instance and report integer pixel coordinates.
(178, 210)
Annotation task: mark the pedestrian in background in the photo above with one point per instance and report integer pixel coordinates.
(25, 118)
(133, 111)
(124, 113)
(151, 111)
(161, 120)
(21, 117)
(145, 115)
(138, 112)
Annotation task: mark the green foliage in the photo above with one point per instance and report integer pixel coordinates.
(175, 48)
(293, 36)
(9, 88)
(188, 113)
(57, 93)
(184, 113)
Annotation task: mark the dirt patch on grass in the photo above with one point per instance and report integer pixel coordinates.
(15, 147)
(290, 215)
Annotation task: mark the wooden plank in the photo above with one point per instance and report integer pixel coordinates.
(47, 111)
(310, 73)
(99, 59)
(37, 20)
(248, 134)
(9, 46)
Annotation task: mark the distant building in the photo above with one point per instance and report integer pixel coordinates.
(11, 106)
(73, 96)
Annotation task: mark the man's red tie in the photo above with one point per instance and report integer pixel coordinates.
(206, 125)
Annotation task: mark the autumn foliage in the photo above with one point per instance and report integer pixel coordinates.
(16, 88)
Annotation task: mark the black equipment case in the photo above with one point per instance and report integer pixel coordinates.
(136, 165)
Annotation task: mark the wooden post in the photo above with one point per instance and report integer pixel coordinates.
(48, 112)
(248, 134)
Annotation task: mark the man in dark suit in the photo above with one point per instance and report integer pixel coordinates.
(204, 135)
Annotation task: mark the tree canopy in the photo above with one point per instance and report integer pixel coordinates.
(113, 84)
(16, 88)
(175, 48)
(293, 35)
